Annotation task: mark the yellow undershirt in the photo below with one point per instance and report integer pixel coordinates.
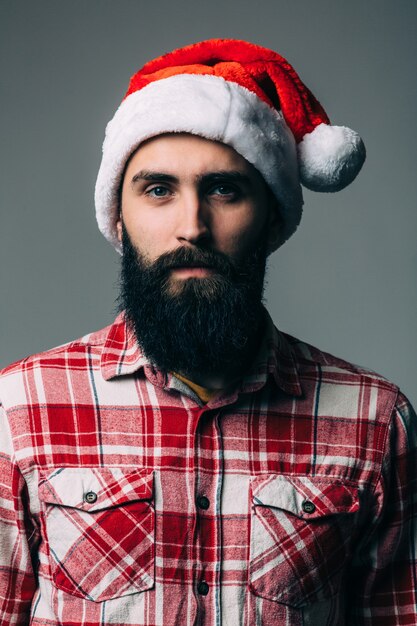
(203, 393)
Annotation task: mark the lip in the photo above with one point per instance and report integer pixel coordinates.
(192, 272)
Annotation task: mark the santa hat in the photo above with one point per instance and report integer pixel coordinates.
(242, 95)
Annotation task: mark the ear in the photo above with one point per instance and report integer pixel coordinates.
(119, 228)
(274, 226)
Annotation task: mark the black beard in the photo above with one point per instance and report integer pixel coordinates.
(204, 325)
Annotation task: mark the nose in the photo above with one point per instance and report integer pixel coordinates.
(193, 219)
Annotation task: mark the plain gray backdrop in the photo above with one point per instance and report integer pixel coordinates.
(346, 281)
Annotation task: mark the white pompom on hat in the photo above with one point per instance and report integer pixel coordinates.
(245, 96)
(330, 157)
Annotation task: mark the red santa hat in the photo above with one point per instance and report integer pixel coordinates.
(242, 95)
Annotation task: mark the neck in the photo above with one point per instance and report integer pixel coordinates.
(216, 381)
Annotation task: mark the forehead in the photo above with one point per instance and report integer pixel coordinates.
(174, 152)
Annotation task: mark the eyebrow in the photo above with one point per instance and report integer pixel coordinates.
(210, 177)
(153, 176)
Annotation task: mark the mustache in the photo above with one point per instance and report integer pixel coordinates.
(194, 257)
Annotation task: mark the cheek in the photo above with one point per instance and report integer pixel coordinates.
(240, 234)
(151, 234)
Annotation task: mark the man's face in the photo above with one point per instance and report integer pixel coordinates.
(196, 225)
(183, 190)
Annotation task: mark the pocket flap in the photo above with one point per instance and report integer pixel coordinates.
(308, 497)
(93, 489)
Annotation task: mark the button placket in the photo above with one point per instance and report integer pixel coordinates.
(209, 468)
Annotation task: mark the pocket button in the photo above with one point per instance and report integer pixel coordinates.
(308, 507)
(90, 497)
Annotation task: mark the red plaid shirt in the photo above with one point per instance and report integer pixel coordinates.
(290, 499)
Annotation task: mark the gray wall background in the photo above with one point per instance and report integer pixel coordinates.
(346, 281)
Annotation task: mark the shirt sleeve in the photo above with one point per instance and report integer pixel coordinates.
(383, 584)
(18, 537)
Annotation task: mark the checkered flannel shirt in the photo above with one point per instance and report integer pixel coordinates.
(288, 500)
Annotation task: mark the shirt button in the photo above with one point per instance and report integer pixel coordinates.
(202, 588)
(90, 497)
(203, 502)
(308, 507)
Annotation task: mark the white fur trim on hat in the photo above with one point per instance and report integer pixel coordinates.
(210, 107)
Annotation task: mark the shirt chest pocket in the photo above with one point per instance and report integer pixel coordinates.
(98, 524)
(301, 536)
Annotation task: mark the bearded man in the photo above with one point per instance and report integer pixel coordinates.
(191, 464)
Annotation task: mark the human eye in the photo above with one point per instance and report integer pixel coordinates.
(225, 190)
(157, 191)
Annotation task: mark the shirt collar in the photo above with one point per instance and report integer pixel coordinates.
(275, 358)
(122, 355)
